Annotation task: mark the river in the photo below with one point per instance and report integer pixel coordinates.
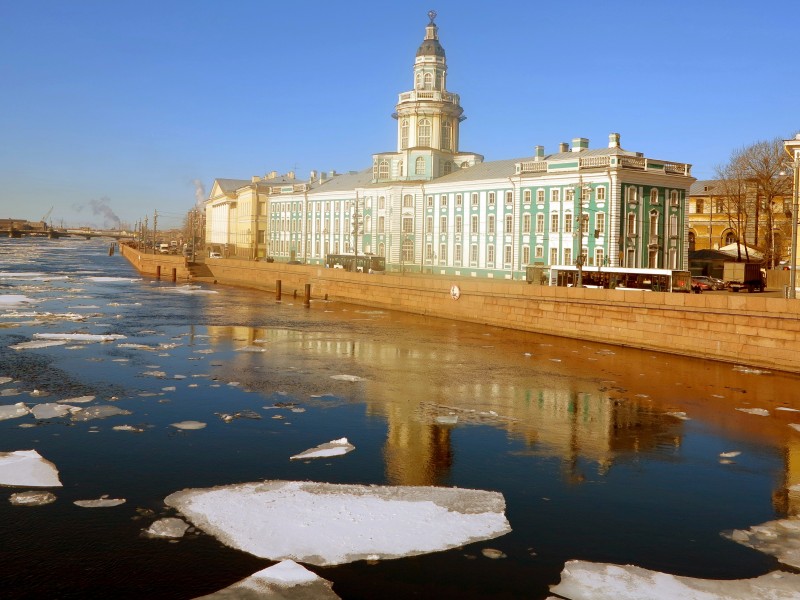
(602, 453)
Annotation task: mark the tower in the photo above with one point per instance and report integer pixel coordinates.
(428, 121)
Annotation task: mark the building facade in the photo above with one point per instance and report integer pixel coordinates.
(430, 207)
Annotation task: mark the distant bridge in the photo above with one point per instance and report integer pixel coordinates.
(17, 229)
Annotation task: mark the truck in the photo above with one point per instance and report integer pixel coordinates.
(163, 248)
(744, 275)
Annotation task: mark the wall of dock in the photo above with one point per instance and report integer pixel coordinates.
(747, 329)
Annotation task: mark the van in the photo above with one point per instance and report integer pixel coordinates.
(163, 248)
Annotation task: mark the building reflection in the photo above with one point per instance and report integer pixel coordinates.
(586, 423)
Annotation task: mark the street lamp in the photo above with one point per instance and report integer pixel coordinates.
(792, 148)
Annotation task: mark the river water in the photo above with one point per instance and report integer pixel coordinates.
(602, 453)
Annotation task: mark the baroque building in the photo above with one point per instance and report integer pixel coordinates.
(428, 206)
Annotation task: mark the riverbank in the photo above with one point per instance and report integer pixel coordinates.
(747, 329)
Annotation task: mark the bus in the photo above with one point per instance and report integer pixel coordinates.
(621, 278)
(364, 263)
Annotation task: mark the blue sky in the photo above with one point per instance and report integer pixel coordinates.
(113, 109)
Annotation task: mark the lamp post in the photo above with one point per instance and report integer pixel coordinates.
(792, 148)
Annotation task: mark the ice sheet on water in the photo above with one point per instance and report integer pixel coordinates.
(188, 425)
(5, 380)
(101, 411)
(282, 581)
(101, 502)
(13, 300)
(32, 498)
(102, 279)
(27, 468)
(80, 337)
(13, 411)
(37, 344)
(351, 378)
(52, 410)
(338, 447)
(76, 400)
(582, 580)
(328, 524)
(760, 412)
(168, 527)
(750, 370)
(189, 289)
(780, 538)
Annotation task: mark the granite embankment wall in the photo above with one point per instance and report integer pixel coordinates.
(748, 329)
(163, 266)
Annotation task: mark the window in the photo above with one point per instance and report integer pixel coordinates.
(429, 252)
(419, 166)
(509, 224)
(720, 203)
(698, 206)
(368, 224)
(429, 224)
(600, 224)
(631, 225)
(567, 256)
(653, 196)
(408, 201)
(554, 196)
(447, 134)
(507, 256)
(442, 200)
(457, 254)
(429, 202)
(404, 134)
(554, 223)
(653, 225)
(490, 255)
(553, 256)
(381, 224)
(408, 251)
(569, 195)
(400, 168)
(527, 196)
(474, 224)
(584, 223)
(586, 193)
(526, 255)
(408, 225)
(381, 202)
(383, 170)
(600, 192)
(526, 223)
(473, 254)
(540, 223)
(442, 253)
(509, 197)
(448, 168)
(424, 133)
(459, 201)
(491, 198)
(381, 249)
(568, 223)
(458, 223)
(474, 199)
(540, 196)
(599, 257)
(539, 252)
(428, 81)
(443, 224)
(490, 225)
(673, 225)
(631, 195)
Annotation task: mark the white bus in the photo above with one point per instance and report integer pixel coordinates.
(621, 278)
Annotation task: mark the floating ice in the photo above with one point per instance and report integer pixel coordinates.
(750, 370)
(127, 428)
(732, 454)
(493, 553)
(761, 412)
(5, 380)
(679, 415)
(52, 410)
(99, 412)
(27, 468)
(76, 400)
(169, 527)
(278, 582)
(80, 337)
(254, 349)
(12, 411)
(32, 498)
(189, 289)
(328, 524)
(113, 279)
(447, 419)
(795, 426)
(780, 538)
(351, 378)
(581, 580)
(37, 344)
(13, 299)
(333, 448)
(101, 502)
(188, 425)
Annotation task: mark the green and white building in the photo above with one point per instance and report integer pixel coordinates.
(430, 207)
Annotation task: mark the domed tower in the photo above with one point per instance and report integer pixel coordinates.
(428, 120)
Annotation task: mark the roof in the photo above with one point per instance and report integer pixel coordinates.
(705, 187)
(343, 182)
(231, 185)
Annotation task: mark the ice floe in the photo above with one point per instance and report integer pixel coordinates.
(27, 468)
(98, 412)
(188, 425)
(98, 279)
(37, 344)
(169, 527)
(333, 448)
(750, 370)
(80, 337)
(328, 524)
(101, 502)
(190, 289)
(13, 299)
(32, 498)
(76, 400)
(351, 378)
(13, 411)
(581, 580)
(779, 538)
(761, 412)
(52, 410)
(282, 581)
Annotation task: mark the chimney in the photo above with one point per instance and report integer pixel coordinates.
(580, 144)
(613, 140)
(255, 179)
(332, 174)
(312, 176)
(563, 147)
(271, 175)
(538, 152)
(290, 175)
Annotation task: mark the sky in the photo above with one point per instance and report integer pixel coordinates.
(113, 110)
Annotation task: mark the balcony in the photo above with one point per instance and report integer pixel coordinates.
(429, 95)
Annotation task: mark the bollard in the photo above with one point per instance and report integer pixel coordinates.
(307, 301)
(158, 272)
(174, 275)
(278, 290)
(294, 295)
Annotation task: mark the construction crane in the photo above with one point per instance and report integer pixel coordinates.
(47, 214)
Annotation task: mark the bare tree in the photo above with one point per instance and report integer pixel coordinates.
(732, 185)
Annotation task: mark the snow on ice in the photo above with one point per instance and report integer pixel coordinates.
(32, 498)
(99, 412)
(188, 425)
(780, 538)
(581, 580)
(285, 580)
(101, 502)
(168, 527)
(27, 468)
(12, 411)
(329, 524)
(79, 337)
(333, 448)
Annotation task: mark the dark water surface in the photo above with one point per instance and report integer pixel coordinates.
(580, 438)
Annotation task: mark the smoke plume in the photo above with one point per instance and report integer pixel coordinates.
(199, 191)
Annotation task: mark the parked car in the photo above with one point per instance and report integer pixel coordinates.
(214, 255)
(701, 283)
(711, 282)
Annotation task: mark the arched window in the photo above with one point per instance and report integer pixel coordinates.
(631, 229)
(375, 169)
(428, 81)
(383, 170)
(447, 134)
(448, 167)
(408, 250)
(730, 238)
(368, 224)
(408, 201)
(424, 133)
(653, 225)
(419, 166)
(404, 134)
(381, 250)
